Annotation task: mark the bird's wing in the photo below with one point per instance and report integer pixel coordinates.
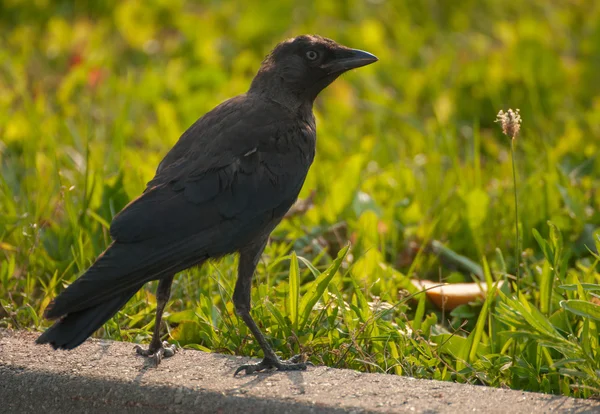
(237, 163)
(244, 189)
(191, 213)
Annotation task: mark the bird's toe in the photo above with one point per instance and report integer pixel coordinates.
(156, 354)
(294, 366)
(141, 351)
(291, 364)
(169, 349)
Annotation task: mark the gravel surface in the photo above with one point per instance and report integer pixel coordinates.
(107, 376)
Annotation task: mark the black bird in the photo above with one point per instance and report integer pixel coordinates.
(222, 189)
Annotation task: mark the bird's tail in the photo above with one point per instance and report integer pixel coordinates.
(74, 328)
(106, 287)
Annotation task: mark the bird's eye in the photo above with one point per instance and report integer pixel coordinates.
(312, 55)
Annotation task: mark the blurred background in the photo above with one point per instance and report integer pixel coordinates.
(410, 168)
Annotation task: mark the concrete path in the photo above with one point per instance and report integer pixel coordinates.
(108, 377)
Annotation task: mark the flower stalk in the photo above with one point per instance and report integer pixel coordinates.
(511, 125)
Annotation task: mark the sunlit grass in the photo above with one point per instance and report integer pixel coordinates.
(410, 169)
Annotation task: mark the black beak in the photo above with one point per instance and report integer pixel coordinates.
(349, 59)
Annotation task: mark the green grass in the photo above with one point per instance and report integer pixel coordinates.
(410, 168)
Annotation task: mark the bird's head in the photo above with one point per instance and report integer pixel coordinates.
(299, 68)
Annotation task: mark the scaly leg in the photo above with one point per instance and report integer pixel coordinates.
(241, 298)
(157, 349)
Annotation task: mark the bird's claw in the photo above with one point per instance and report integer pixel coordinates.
(291, 364)
(165, 350)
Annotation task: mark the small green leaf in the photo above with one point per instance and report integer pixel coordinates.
(582, 308)
(363, 310)
(555, 237)
(318, 286)
(420, 312)
(476, 335)
(546, 282)
(430, 321)
(548, 254)
(310, 266)
(184, 315)
(585, 286)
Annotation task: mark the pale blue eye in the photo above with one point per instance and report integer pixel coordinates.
(311, 55)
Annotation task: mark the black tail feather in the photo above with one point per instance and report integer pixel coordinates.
(74, 328)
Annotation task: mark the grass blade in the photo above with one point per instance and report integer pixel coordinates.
(318, 286)
(582, 308)
(294, 293)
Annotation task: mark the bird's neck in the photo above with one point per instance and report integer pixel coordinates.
(275, 89)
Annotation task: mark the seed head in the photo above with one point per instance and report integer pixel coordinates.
(510, 121)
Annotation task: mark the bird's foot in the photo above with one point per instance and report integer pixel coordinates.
(291, 364)
(156, 354)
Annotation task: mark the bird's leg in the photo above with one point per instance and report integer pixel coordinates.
(241, 298)
(158, 349)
